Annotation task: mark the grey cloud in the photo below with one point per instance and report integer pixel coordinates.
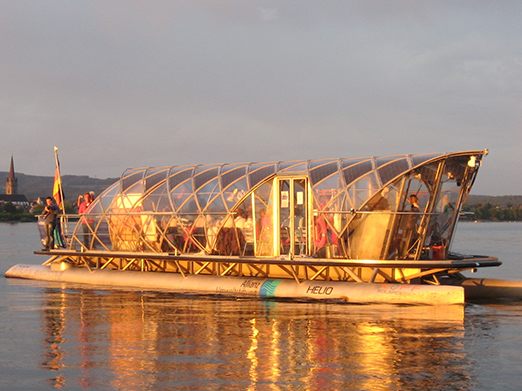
(129, 83)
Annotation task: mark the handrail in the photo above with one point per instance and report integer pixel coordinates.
(463, 263)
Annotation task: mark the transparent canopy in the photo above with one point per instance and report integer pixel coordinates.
(391, 207)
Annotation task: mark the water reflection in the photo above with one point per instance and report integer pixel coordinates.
(136, 340)
(54, 320)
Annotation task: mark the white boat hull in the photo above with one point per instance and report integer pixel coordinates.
(349, 292)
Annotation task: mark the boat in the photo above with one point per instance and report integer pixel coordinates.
(356, 230)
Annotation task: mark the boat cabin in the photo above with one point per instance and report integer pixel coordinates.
(400, 207)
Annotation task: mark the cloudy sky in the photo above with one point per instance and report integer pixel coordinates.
(119, 84)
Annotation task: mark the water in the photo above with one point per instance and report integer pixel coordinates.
(72, 337)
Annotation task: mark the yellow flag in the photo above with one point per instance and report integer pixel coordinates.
(57, 186)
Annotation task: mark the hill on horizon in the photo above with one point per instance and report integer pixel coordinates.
(34, 186)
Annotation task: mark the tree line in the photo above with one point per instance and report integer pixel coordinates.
(9, 212)
(491, 212)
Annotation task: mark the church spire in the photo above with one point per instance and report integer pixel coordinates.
(11, 181)
(11, 168)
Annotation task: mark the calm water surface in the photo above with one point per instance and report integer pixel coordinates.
(72, 337)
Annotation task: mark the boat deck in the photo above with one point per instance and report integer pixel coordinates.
(298, 268)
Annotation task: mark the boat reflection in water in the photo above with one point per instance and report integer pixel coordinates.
(135, 340)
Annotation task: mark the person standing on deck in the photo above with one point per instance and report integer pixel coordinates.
(83, 204)
(49, 218)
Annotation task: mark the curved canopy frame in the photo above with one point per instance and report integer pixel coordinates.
(185, 209)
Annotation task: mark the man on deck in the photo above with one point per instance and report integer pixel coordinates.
(49, 219)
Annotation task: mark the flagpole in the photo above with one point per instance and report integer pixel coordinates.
(57, 164)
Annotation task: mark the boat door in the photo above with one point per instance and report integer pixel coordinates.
(293, 216)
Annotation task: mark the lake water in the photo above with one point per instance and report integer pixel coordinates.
(72, 337)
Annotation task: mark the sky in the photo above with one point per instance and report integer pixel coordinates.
(118, 84)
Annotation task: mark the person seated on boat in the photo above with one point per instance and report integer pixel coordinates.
(83, 203)
(230, 240)
(49, 219)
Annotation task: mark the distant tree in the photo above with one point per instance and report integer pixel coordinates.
(9, 208)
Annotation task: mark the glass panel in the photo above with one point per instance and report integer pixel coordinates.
(319, 173)
(393, 169)
(135, 188)
(85, 231)
(149, 232)
(173, 234)
(131, 201)
(414, 199)
(231, 175)
(105, 198)
(189, 207)
(313, 164)
(229, 240)
(354, 172)
(419, 159)
(281, 166)
(193, 229)
(129, 180)
(293, 216)
(244, 224)
(199, 235)
(299, 168)
(153, 177)
(363, 189)
(164, 232)
(207, 192)
(263, 220)
(157, 200)
(438, 237)
(427, 175)
(284, 216)
(150, 203)
(163, 204)
(345, 163)
(202, 178)
(381, 161)
(235, 192)
(217, 206)
(326, 191)
(300, 203)
(180, 194)
(212, 225)
(178, 178)
(386, 200)
(340, 223)
(124, 226)
(260, 174)
(368, 233)
(327, 225)
(102, 238)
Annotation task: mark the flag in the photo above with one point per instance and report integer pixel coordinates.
(57, 186)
